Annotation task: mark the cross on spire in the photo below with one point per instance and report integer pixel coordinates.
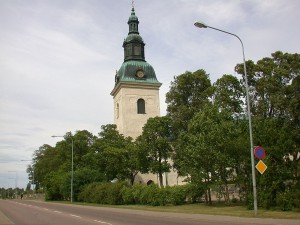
(132, 3)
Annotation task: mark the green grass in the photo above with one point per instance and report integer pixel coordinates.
(201, 208)
(240, 211)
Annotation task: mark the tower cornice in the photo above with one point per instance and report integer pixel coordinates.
(134, 85)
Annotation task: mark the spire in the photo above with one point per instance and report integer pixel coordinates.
(133, 23)
(134, 69)
(133, 44)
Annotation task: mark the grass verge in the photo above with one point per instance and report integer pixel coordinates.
(215, 209)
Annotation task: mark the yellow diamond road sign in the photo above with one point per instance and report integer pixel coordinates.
(261, 167)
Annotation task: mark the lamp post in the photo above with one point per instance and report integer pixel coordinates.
(202, 25)
(16, 181)
(72, 171)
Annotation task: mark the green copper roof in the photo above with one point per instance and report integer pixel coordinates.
(133, 17)
(134, 58)
(129, 69)
(133, 38)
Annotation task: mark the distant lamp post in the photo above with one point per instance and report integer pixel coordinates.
(72, 167)
(16, 181)
(202, 25)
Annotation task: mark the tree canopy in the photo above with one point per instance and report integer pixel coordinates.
(206, 135)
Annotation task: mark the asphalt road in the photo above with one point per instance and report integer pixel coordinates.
(25, 212)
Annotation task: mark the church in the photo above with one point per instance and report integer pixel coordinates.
(136, 94)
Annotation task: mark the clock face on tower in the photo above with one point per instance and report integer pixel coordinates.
(140, 73)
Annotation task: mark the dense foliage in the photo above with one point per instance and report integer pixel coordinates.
(205, 133)
(122, 193)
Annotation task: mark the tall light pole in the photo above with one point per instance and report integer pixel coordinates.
(16, 181)
(202, 25)
(72, 168)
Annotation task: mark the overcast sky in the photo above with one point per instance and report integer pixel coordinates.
(58, 59)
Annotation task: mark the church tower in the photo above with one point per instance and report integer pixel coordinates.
(136, 90)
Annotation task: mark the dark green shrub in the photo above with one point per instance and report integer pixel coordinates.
(127, 195)
(177, 194)
(249, 201)
(122, 193)
(295, 195)
(265, 199)
(150, 195)
(114, 195)
(102, 193)
(137, 193)
(284, 201)
(194, 192)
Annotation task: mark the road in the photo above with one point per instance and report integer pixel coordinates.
(25, 212)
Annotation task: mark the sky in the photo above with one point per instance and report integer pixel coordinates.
(58, 59)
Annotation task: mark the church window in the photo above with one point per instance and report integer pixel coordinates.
(137, 50)
(141, 106)
(128, 50)
(118, 110)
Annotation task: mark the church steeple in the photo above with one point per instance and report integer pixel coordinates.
(133, 23)
(134, 69)
(136, 90)
(133, 44)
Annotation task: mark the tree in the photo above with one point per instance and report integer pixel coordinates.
(274, 89)
(154, 142)
(189, 93)
(114, 155)
(46, 159)
(207, 150)
(228, 93)
(269, 81)
(83, 141)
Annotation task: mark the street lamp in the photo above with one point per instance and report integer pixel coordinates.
(16, 181)
(72, 171)
(202, 25)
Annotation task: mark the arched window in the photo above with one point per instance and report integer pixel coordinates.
(141, 106)
(149, 182)
(118, 110)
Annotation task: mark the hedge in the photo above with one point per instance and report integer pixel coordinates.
(122, 193)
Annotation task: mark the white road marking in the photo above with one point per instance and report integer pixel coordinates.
(57, 211)
(99, 221)
(75, 216)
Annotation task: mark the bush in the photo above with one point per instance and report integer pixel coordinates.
(102, 193)
(284, 201)
(87, 194)
(144, 195)
(266, 199)
(122, 193)
(177, 195)
(295, 195)
(127, 195)
(137, 192)
(194, 192)
(153, 195)
(249, 201)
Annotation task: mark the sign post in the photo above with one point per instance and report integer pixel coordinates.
(261, 167)
(260, 153)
